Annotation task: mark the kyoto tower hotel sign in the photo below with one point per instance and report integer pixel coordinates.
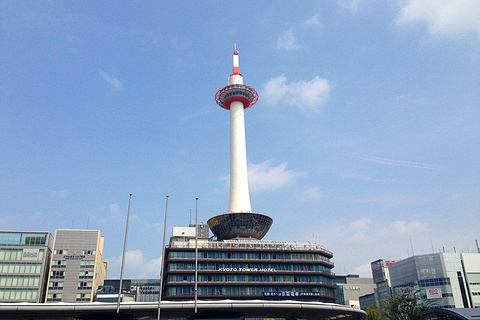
(239, 221)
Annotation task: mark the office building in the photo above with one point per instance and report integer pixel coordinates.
(351, 287)
(447, 280)
(381, 278)
(77, 266)
(24, 265)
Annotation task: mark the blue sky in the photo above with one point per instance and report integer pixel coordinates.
(365, 139)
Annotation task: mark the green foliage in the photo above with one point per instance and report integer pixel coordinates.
(373, 313)
(403, 304)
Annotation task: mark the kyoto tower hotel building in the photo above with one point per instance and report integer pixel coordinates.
(236, 263)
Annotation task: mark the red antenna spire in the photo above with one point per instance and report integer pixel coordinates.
(236, 65)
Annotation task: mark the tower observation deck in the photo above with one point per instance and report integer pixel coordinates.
(239, 221)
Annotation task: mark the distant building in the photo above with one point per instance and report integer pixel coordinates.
(367, 300)
(351, 287)
(24, 265)
(77, 266)
(381, 278)
(141, 290)
(447, 280)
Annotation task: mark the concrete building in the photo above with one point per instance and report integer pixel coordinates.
(351, 287)
(381, 278)
(448, 280)
(24, 265)
(77, 266)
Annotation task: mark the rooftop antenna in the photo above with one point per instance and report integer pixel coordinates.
(413, 253)
(478, 248)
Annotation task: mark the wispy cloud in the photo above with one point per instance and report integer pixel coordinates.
(361, 224)
(393, 162)
(365, 230)
(361, 177)
(111, 80)
(442, 17)
(305, 95)
(350, 5)
(314, 21)
(312, 193)
(402, 228)
(288, 40)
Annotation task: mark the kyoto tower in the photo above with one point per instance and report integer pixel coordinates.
(239, 221)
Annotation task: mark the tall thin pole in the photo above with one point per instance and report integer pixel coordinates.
(123, 255)
(163, 258)
(196, 253)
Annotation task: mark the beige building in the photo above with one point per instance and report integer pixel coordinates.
(77, 267)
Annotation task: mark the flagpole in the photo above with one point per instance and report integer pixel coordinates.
(163, 258)
(123, 255)
(196, 253)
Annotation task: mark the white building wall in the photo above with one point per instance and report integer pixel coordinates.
(471, 265)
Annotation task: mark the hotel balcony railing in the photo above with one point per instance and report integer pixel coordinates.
(250, 245)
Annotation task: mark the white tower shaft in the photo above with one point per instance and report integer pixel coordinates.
(239, 194)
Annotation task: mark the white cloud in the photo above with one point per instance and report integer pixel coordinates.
(111, 80)
(305, 95)
(287, 41)
(350, 5)
(136, 265)
(361, 224)
(402, 228)
(264, 176)
(442, 17)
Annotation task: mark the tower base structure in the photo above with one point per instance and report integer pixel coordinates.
(240, 225)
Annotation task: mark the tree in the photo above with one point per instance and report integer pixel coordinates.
(403, 304)
(373, 313)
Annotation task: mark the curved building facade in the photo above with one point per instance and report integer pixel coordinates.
(248, 269)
